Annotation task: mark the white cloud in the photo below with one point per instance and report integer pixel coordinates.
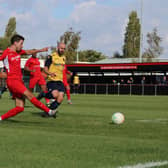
(102, 26)
(85, 5)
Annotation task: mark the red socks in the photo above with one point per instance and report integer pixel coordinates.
(39, 105)
(18, 109)
(68, 94)
(12, 112)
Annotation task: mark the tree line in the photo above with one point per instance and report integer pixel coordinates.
(131, 47)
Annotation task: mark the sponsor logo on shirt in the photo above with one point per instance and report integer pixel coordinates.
(15, 58)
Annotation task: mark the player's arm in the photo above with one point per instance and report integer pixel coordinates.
(46, 67)
(34, 51)
(69, 73)
(46, 70)
(26, 68)
(3, 56)
(3, 74)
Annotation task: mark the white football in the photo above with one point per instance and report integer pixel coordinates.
(118, 118)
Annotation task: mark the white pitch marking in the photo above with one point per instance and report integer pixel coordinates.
(154, 120)
(146, 165)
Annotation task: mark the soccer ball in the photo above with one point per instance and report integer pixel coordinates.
(118, 118)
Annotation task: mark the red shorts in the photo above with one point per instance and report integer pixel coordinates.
(36, 80)
(16, 87)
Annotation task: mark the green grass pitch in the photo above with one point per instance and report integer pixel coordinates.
(83, 136)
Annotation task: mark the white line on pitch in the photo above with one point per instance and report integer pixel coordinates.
(146, 165)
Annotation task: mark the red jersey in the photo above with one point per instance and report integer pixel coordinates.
(65, 72)
(12, 63)
(34, 64)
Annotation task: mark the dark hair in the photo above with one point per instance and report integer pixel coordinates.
(16, 38)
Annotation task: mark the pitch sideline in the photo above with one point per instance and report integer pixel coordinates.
(146, 165)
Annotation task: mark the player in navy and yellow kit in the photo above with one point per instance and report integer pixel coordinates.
(54, 67)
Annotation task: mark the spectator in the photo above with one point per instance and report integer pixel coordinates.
(143, 81)
(114, 81)
(122, 81)
(130, 80)
(164, 82)
(76, 83)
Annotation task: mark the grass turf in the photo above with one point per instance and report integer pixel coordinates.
(83, 136)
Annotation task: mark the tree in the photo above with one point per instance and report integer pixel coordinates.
(131, 48)
(71, 40)
(4, 43)
(10, 28)
(9, 32)
(154, 50)
(117, 55)
(90, 56)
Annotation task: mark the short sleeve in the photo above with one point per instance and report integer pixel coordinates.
(48, 62)
(22, 52)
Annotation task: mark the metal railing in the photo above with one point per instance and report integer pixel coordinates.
(120, 89)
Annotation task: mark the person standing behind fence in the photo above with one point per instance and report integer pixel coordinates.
(143, 81)
(130, 80)
(164, 82)
(76, 83)
(33, 67)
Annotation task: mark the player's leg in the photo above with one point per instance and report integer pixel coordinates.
(18, 88)
(19, 108)
(32, 83)
(44, 89)
(58, 94)
(57, 101)
(68, 94)
(50, 87)
(30, 96)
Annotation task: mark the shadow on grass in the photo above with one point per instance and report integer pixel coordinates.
(13, 121)
(41, 114)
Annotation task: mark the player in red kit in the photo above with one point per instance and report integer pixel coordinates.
(12, 59)
(66, 84)
(33, 66)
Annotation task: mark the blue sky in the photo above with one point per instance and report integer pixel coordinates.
(102, 22)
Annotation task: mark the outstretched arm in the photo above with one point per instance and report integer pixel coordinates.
(34, 51)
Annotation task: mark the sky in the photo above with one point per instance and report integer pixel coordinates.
(102, 22)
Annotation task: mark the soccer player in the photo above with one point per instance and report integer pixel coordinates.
(76, 83)
(54, 67)
(66, 84)
(12, 58)
(33, 66)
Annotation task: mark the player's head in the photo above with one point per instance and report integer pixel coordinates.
(35, 54)
(61, 48)
(17, 41)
